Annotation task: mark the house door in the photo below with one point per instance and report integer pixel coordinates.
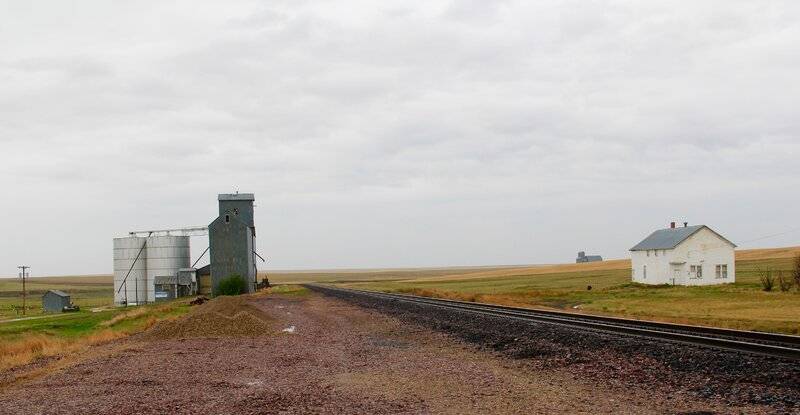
(677, 275)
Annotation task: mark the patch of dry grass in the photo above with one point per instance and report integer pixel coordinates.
(34, 346)
(128, 315)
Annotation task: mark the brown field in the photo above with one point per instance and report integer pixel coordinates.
(463, 273)
(614, 264)
(768, 253)
(99, 279)
(362, 275)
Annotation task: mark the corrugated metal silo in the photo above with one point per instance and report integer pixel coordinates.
(135, 287)
(165, 256)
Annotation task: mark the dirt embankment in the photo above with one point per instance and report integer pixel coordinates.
(221, 317)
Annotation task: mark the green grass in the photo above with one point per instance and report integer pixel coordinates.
(86, 292)
(291, 290)
(67, 325)
(73, 325)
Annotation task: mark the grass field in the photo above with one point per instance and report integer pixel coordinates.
(742, 305)
(88, 291)
(38, 334)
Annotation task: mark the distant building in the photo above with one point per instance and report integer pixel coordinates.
(204, 280)
(582, 257)
(232, 240)
(170, 287)
(55, 301)
(688, 255)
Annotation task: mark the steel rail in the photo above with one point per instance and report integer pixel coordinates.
(767, 344)
(753, 336)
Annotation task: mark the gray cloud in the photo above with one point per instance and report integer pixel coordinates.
(437, 133)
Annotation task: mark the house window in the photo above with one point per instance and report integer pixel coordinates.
(696, 271)
(656, 251)
(644, 272)
(648, 252)
(227, 218)
(722, 271)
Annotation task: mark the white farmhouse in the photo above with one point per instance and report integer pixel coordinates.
(688, 255)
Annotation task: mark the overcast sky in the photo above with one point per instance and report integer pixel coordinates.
(396, 133)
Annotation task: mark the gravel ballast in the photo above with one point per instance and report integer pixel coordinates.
(621, 361)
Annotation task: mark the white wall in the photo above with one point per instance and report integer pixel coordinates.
(704, 249)
(658, 270)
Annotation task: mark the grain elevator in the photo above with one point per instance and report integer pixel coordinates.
(232, 240)
(155, 265)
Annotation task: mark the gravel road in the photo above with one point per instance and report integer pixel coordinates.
(341, 358)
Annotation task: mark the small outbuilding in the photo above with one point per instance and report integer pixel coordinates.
(688, 255)
(170, 287)
(204, 280)
(55, 301)
(582, 257)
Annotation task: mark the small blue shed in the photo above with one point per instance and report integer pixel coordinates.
(54, 301)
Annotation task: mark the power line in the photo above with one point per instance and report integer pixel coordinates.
(771, 236)
(24, 273)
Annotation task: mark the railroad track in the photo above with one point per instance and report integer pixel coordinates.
(754, 342)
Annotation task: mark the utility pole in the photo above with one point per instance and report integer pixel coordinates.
(24, 273)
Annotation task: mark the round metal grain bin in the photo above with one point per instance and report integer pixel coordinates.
(165, 256)
(135, 287)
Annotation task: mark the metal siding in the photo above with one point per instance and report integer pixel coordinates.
(244, 208)
(231, 251)
(162, 256)
(204, 284)
(52, 302)
(125, 251)
(251, 264)
(165, 256)
(164, 292)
